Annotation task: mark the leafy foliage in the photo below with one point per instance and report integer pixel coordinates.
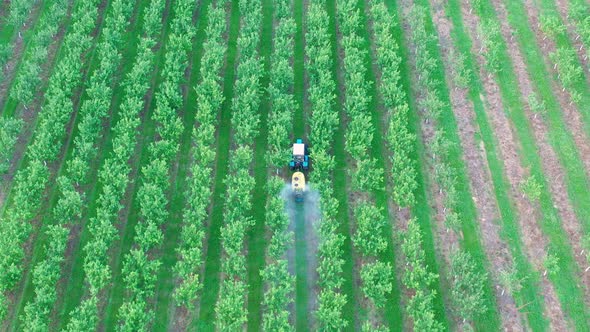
(323, 122)
(31, 180)
(139, 267)
(400, 140)
(230, 310)
(468, 283)
(209, 101)
(280, 283)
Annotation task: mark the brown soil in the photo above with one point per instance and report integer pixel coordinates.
(446, 241)
(571, 114)
(509, 147)
(554, 173)
(572, 31)
(480, 179)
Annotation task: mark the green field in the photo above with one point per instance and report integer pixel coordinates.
(145, 181)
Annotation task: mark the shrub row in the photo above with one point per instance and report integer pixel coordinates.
(230, 307)
(71, 200)
(28, 78)
(114, 173)
(280, 283)
(31, 181)
(369, 238)
(140, 268)
(323, 123)
(209, 100)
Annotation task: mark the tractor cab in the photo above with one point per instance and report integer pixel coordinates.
(300, 159)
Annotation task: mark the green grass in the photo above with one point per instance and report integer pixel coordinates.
(166, 276)
(559, 136)
(9, 35)
(38, 237)
(393, 309)
(562, 40)
(256, 234)
(211, 280)
(566, 282)
(340, 186)
(530, 293)
(466, 207)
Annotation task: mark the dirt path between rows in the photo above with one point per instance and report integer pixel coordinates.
(475, 159)
(571, 114)
(554, 172)
(535, 241)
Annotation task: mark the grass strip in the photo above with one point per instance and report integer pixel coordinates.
(567, 287)
(530, 293)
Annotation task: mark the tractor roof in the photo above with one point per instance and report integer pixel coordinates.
(298, 149)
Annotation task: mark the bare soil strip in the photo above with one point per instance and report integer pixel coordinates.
(478, 170)
(552, 168)
(571, 113)
(509, 146)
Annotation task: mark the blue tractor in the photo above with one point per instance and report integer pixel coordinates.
(300, 159)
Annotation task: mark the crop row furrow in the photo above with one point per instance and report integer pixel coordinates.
(504, 48)
(245, 121)
(32, 179)
(467, 270)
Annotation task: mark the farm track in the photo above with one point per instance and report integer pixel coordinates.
(339, 181)
(423, 210)
(302, 318)
(166, 313)
(256, 240)
(204, 320)
(73, 281)
(466, 208)
(565, 282)
(41, 241)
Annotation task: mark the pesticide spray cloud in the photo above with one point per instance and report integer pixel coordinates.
(302, 255)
